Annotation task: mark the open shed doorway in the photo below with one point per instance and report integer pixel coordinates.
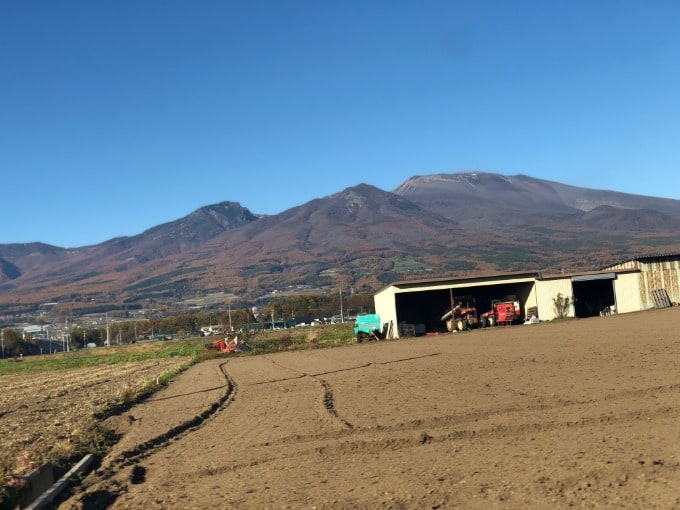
(593, 294)
(424, 308)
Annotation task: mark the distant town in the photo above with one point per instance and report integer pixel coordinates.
(48, 330)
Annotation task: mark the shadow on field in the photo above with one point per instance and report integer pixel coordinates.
(99, 499)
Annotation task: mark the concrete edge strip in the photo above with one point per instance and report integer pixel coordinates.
(46, 497)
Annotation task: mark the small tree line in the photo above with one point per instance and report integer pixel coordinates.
(130, 331)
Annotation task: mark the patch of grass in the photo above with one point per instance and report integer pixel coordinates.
(130, 396)
(406, 264)
(335, 334)
(388, 277)
(104, 356)
(331, 335)
(262, 342)
(95, 438)
(460, 265)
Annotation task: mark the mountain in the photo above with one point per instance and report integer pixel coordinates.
(183, 235)
(483, 198)
(547, 224)
(349, 237)
(362, 237)
(36, 272)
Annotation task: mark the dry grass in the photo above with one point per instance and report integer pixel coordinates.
(51, 416)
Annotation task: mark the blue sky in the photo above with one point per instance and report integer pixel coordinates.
(116, 116)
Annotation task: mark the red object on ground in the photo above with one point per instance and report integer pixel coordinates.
(225, 346)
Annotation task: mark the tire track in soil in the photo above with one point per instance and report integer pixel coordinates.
(329, 403)
(348, 369)
(149, 447)
(103, 498)
(327, 399)
(476, 416)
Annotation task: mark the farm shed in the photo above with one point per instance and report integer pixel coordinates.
(658, 279)
(422, 303)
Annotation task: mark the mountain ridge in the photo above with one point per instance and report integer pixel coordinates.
(361, 236)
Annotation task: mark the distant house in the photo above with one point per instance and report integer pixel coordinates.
(217, 329)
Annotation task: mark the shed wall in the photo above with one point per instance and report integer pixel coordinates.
(546, 292)
(661, 275)
(627, 292)
(531, 301)
(385, 306)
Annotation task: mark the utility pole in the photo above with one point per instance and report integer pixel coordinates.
(2, 336)
(231, 328)
(63, 337)
(342, 317)
(108, 337)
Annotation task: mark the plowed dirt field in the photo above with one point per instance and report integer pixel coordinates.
(582, 413)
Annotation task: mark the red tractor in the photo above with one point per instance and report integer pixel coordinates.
(504, 311)
(463, 316)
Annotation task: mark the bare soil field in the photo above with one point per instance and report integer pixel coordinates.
(580, 413)
(43, 415)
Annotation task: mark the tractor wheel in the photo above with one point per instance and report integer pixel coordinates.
(482, 323)
(492, 321)
(460, 325)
